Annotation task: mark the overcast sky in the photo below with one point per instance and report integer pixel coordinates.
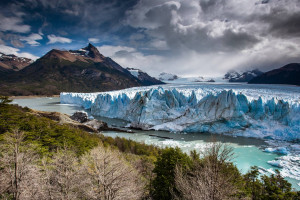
(184, 37)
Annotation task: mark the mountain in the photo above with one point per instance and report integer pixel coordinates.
(167, 76)
(172, 78)
(288, 74)
(234, 76)
(144, 77)
(9, 63)
(83, 70)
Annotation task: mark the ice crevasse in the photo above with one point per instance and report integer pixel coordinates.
(221, 112)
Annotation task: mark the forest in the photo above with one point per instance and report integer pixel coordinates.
(43, 159)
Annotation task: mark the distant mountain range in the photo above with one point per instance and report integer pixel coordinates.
(234, 76)
(10, 63)
(83, 70)
(167, 77)
(288, 74)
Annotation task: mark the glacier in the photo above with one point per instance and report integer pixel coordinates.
(260, 111)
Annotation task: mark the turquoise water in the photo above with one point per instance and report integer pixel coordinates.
(247, 154)
(248, 151)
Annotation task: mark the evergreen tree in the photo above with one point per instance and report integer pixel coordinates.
(275, 187)
(165, 171)
(4, 100)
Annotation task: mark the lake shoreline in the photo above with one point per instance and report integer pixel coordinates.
(249, 150)
(32, 96)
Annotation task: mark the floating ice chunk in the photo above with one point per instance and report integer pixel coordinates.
(279, 150)
(265, 171)
(290, 166)
(276, 163)
(295, 147)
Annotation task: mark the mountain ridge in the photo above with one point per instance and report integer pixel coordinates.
(144, 77)
(10, 62)
(246, 76)
(83, 70)
(288, 74)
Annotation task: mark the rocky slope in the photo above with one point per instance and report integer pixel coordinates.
(83, 70)
(144, 77)
(288, 74)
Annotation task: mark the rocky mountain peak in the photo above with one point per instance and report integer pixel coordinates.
(93, 52)
(89, 52)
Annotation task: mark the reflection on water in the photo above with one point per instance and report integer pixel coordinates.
(51, 104)
(247, 150)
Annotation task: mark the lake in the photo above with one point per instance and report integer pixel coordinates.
(248, 151)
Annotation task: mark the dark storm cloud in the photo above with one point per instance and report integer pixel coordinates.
(189, 35)
(74, 17)
(286, 26)
(80, 16)
(170, 21)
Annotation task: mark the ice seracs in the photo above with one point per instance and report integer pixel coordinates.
(213, 109)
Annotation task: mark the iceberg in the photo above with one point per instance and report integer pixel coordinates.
(278, 150)
(263, 112)
(290, 165)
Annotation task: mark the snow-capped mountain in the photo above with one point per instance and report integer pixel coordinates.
(234, 76)
(167, 76)
(172, 78)
(11, 62)
(145, 78)
(83, 70)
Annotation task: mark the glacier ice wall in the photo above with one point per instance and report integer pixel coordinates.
(83, 99)
(192, 110)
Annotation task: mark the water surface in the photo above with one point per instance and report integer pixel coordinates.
(248, 151)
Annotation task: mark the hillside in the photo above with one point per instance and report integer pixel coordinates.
(288, 74)
(144, 77)
(83, 70)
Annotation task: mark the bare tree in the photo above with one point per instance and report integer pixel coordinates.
(61, 176)
(145, 167)
(211, 178)
(19, 175)
(110, 176)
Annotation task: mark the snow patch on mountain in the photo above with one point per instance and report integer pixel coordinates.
(167, 77)
(234, 76)
(134, 72)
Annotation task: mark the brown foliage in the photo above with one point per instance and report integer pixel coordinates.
(110, 176)
(19, 174)
(210, 178)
